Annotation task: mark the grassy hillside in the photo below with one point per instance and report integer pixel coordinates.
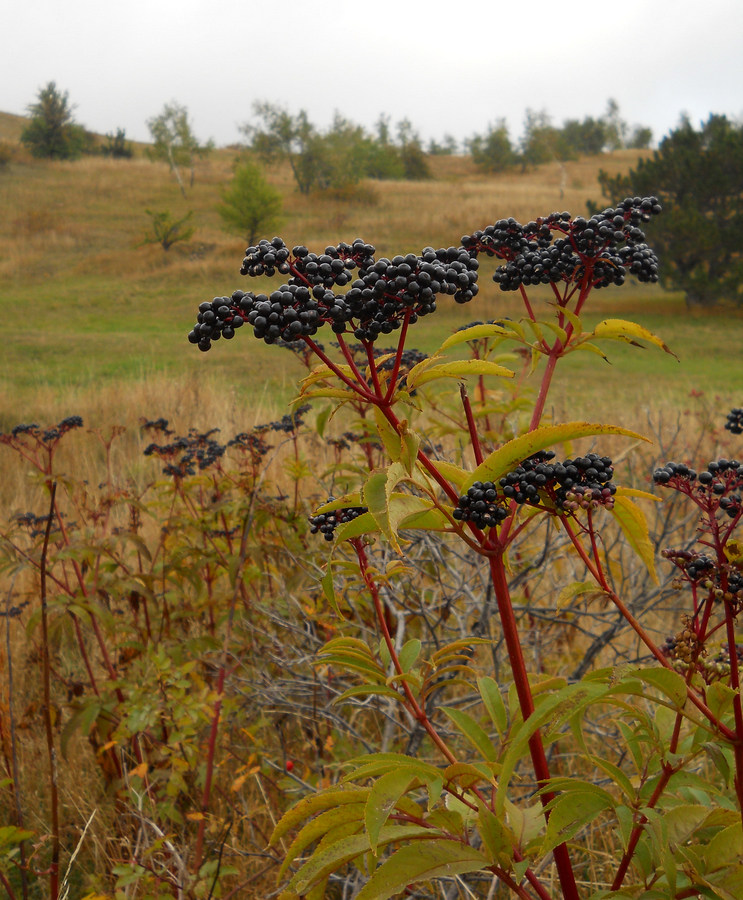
(90, 314)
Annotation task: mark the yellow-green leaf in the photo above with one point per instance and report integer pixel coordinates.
(630, 332)
(384, 794)
(315, 803)
(512, 453)
(474, 333)
(632, 521)
(460, 368)
(421, 860)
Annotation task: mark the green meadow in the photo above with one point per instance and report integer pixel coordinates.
(94, 322)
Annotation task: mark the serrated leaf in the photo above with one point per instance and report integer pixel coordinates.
(364, 690)
(667, 681)
(389, 436)
(634, 525)
(376, 764)
(376, 495)
(454, 474)
(576, 589)
(319, 826)
(460, 368)
(329, 860)
(474, 333)
(583, 344)
(363, 524)
(512, 453)
(422, 860)
(384, 794)
(315, 803)
(620, 329)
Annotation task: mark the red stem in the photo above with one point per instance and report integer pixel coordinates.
(526, 703)
(51, 750)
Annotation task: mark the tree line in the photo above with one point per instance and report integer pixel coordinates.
(697, 173)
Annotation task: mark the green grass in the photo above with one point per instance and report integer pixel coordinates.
(93, 321)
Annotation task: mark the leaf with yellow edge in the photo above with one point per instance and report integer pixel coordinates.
(512, 453)
(474, 333)
(320, 825)
(422, 860)
(390, 438)
(322, 373)
(630, 332)
(587, 345)
(459, 368)
(632, 521)
(335, 393)
(316, 803)
(333, 857)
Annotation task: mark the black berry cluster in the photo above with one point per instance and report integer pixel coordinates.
(719, 486)
(603, 249)
(45, 436)
(326, 523)
(188, 452)
(382, 292)
(481, 505)
(734, 421)
(580, 483)
(724, 582)
(287, 423)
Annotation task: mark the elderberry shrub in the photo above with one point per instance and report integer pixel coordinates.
(326, 523)
(580, 483)
(187, 452)
(734, 422)
(382, 293)
(46, 436)
(718, 487)
(607, 247)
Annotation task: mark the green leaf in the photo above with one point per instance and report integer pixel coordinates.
(497, 837)
(634, 526)
(363, 524)
(320, 825)
(385, 793)
(329, 860)
(375, 764)
(422, 860)
(473, 732)
(315, 803)
(512, 453)
(459, 368)
(493, 700)
(409, 654)
(376, 495)
(621, 330)
(667, 681)
(572, 811)
(389, 435)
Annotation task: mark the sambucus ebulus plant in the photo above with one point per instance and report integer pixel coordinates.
(399, 817)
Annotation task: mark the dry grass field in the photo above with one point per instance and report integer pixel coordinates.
(94, 324)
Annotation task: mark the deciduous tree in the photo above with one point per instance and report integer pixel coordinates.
(175, 142)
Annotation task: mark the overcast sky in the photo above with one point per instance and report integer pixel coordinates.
(448, 66)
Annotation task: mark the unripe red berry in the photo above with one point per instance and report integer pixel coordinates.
(289, 765)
